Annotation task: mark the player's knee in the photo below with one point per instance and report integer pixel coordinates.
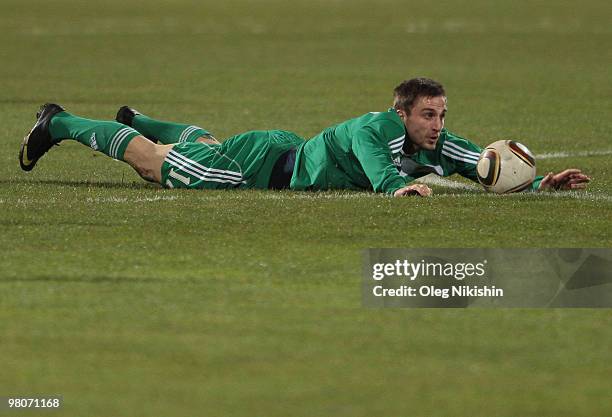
(146, 158)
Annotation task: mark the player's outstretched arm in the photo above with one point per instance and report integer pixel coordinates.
(415, 189)
(570, 179)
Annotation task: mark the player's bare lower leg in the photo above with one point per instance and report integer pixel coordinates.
(146, 157)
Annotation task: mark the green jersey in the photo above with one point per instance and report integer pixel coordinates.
(453, 155)
(356, 154)
(364, 153)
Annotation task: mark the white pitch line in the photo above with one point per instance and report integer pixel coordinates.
(131, 200)
(326, 195)
(579, 195)
(434, 179)
(553, 155)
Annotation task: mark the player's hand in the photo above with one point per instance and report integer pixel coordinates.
(570, 179)
(415, 189)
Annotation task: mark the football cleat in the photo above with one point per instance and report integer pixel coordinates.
(126, 114)
(38, 141)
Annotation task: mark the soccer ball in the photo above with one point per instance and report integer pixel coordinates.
(505, 167)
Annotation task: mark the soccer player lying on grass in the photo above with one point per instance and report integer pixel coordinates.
(379, 151)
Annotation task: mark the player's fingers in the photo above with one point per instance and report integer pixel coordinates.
(581, 177)
(578, 181)
(571, 171)
(578, 186)
(414, 189)
(421, 189)
(401, 192)
(425, 191)
(567, 173)
(546, 181)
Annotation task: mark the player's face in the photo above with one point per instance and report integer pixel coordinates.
(424, 122)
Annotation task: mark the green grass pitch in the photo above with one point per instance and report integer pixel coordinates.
(128, 300)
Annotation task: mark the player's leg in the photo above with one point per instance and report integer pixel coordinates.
(161, 131)
(246, 160)
(114, 139)
(147, 158)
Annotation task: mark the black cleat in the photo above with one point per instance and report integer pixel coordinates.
(126, 115)
(38, 141)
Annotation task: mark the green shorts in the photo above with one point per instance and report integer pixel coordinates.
(242, 161)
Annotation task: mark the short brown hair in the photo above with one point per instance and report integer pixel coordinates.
(405, 94)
